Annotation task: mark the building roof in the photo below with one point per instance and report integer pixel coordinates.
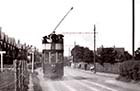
(120, 50)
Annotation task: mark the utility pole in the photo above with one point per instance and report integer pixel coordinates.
(133, 28)
(94, 49)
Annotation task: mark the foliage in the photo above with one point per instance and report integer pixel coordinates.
(77, 53)
(107, 55)
(130, 70)
(37, 56)
(88, 55)
(110, 55)
(127, 56)
(81, 54)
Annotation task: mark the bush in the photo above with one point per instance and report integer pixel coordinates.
(130, 70)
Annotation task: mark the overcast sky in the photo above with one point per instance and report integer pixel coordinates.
(30, 20)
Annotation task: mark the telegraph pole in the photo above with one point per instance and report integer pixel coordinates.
(94, 49)
(133, 28)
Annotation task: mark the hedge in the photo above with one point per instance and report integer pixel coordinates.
(130, 70)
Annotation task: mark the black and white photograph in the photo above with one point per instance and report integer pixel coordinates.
(69, 45)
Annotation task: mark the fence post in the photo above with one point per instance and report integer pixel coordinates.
(19, 75)
(32, 62)
(15, 73)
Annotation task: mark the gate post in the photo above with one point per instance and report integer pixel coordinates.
(1, 53)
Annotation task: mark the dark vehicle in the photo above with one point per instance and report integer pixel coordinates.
(53, 65)
(53, 56)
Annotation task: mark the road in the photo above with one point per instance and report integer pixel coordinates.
(80, 80)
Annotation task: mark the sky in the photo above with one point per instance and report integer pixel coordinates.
(30, 20)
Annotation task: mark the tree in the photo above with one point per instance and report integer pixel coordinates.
(88, 55)
(77, 53)
(107, 55)
(127, 56)
(81, 54)
(37, 56)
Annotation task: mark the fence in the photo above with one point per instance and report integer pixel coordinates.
(20, 75)
(17, 52)
(107, 67)
(16, 78)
